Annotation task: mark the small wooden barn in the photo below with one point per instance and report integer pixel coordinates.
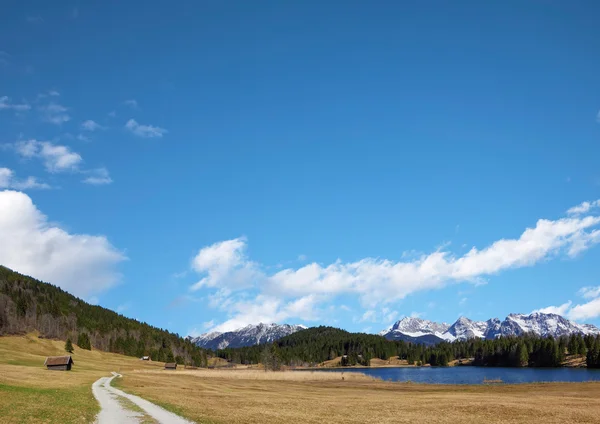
(59, 363)
(170, 366)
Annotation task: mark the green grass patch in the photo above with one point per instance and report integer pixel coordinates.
(35, 405)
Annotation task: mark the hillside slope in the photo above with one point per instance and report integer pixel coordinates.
(28, 305)
(31, 394)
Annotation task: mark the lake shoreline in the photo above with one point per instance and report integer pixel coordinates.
(469, 375)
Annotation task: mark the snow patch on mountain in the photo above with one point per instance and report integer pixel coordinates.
(246, 336)
(415, 327)
(514, 325)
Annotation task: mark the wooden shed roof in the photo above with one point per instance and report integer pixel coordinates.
(170, 365)
(58, 360)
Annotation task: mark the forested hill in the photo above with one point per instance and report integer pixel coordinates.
(27, 304)
(318, 344)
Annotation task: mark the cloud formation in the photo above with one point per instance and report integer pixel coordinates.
(589, 292)
(98, 176)
(226, 261)
(584, 207)
(558, 310)
(79, 263)
(91, 126)
(582, 311)
(56, 158)
(8, 180)
(6, 104)
(145, 131)
(226, 268)
(55, 114)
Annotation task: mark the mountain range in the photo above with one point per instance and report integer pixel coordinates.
(429, 332)
(414, 330)
(246, 336)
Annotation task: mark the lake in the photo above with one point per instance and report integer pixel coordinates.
(476, 375)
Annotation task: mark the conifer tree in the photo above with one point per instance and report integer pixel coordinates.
(523, 355)
(69, 346)
(83, 341)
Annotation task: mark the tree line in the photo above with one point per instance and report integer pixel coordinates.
(27, 304)
(319, 344)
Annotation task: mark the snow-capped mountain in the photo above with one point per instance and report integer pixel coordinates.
(415, 327)
(464, 329)
(543, 325)
(246, 336)
(428, 332)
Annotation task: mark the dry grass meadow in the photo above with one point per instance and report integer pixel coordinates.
(31, 394)
(252, 396)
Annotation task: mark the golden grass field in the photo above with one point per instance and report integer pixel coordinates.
(240, 396)
(31, 394)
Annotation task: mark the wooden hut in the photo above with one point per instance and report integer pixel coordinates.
(170, 366)
(59, 363)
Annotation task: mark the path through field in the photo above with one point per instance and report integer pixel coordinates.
(113, 404)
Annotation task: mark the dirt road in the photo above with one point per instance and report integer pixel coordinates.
(116, 406)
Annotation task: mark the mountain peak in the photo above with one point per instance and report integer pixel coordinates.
(249, 335)
(542, 324)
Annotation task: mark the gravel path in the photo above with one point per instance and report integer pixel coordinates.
(112, 412)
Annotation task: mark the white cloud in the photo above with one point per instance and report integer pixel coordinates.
(389, 315)
(55, 113)
(6, 104)
(369, 316)
(146, 131)
(208, 324)
(79, 263)
(57, 158)
(51, 93)
(558, 310)
(598, 117)
(268, 309)
(112, 114)
(588, 310)
(382, 281)
(8, 180)
(225, 261)
(584, 207)
(462, 301)
(98, 176)
(345, 308)
(302, 258)
(132, 103)
(589, 292)
(90, 125)
(579, 312)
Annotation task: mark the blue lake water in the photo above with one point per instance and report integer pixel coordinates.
(476, 375)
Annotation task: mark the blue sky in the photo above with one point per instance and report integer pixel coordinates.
(206, 165)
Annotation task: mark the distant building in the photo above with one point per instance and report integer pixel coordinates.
(170, 366)
(59, 363)
(145, 358)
